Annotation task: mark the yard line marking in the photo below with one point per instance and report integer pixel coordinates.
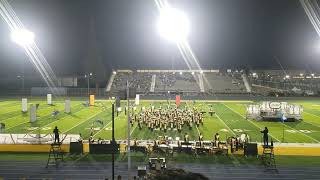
(302, 133)
(54, 122)
(311, 114)
(105, 126)
(198, 130)
(216, 114)
(225, 124)
(14, 116)
(23, 122)
(133, 129)
(248, 120)
(84, 121)
(309, 123)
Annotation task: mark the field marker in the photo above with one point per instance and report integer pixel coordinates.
(55, 121)
(27, 120)
(133, 129)
(248, 120)
(83, 121)
(105, 126)
(311, 114)
(225, 124)
(301, 133)
(216, 114)
(310, 123)
(13, 117)
(198, 130)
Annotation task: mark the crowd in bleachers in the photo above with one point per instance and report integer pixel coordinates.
(168, 80)
(298, 83)
(140, 81)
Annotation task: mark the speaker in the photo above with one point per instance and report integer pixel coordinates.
(103, 149)
(76, 148)
(251, 149)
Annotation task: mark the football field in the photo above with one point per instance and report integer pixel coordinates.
(229, 120)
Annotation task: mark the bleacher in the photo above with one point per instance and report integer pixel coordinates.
(189, 81)
(219, 83)
(291, 81)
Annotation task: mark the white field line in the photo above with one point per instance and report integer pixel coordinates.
(83, 121)
(13, 117)
(225, 124)
(216, 114)
(19, 124)
(52, 122)
(249, 120)
(301, 133)
(133, 129)
(105, 126)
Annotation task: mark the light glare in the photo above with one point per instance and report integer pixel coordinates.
(22, 37)
(173, 24)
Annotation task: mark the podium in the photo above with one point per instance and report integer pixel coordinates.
(55, 155)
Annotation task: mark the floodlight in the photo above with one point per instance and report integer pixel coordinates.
(201, 72)
(173, 24)
(312, 74)
(114, 72)
(90, 74)
(301, 74)
(192, 73)
(180, 73)
(254, 74)
(287, 76)
(22, 37)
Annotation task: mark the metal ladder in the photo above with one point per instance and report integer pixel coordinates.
(55, 155)
(267, 158)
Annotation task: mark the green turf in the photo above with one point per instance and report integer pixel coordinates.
(229, 120)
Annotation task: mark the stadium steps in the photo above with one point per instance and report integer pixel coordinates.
(109, 85)
(246, 83)
(200, 77)
(153, 83)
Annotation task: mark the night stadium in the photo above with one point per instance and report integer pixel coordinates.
(159, 89)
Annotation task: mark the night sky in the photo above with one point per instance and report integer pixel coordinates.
(123, 34)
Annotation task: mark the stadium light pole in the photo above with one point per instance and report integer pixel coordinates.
(88, 77)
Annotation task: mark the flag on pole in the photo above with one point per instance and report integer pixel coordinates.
(177, 100)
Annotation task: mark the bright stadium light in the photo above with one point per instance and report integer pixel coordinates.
(201, 72)
(192, 73)
(114, 72)
(301, 74)
(180, 73)
(22, 37)
(287, 76)
(173, 24)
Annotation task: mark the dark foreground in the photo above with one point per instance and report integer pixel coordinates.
(101, 170)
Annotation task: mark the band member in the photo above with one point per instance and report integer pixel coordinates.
(216, 139)
(186, 138)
